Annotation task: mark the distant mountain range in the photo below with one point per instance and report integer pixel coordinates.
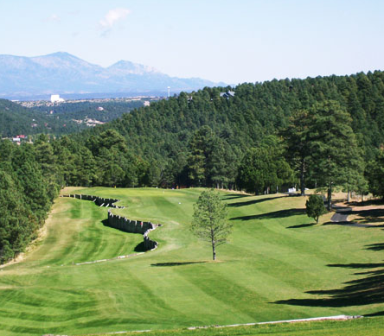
(67, 75)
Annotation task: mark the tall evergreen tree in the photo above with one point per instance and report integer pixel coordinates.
(200, 148)
(375, 175)
(264, 169)
(334, 150)
(298, 152)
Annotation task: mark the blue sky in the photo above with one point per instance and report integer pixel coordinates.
(221, 40)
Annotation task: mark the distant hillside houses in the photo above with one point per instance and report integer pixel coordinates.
(89, 122)
(17, 139)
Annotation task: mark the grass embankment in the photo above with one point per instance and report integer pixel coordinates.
(278, 265)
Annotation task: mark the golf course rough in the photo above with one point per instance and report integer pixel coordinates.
(278, 265)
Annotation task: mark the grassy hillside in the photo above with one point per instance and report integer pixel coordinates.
(278, 265)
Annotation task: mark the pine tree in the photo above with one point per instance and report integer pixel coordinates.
(209, 220)
(333, 145)
(315, 207)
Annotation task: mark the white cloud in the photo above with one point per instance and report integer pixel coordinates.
(113, 16)
(53, 18)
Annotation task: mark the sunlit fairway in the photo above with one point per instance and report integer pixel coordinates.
(278, 265)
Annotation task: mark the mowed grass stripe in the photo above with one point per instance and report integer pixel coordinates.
(85, 238)
(41, 298)
(188, 300)
(177, 285)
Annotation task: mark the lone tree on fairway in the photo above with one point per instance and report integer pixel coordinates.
(315, 207)
(209, 220)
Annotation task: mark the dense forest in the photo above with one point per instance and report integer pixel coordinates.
(29, 181)
(170, 133)
(322, 132)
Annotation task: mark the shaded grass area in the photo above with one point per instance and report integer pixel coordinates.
(366, 213)
(253, 201)
(172, 264)
(368, 216)
(359, 292)
(274, 214)
(300, 226)
(275, 260)
(375, 247)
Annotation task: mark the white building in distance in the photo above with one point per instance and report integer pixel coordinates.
(56, 99)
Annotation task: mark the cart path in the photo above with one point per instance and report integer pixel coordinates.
(340, 217)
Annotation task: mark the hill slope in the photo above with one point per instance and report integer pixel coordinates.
(66, 74)
(256, 110)
(17, 120)
(277, 265)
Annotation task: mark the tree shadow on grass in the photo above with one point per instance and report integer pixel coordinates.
(381, 313)
(172, 264)
(370, 216)
(358, 265)
(300, 226)
(274, 214)
(235, 196)
(364, 291)
(367, 216)
(375, 247)
(254, 201)
(367, 203)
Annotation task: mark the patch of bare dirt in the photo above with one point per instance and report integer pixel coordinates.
(368, 207)
(70, 190)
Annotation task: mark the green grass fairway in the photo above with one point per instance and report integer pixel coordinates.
(360, 327)
(278, 265)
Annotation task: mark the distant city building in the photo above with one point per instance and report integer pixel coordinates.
(100, 108)
(147, 103)
(56, 99)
